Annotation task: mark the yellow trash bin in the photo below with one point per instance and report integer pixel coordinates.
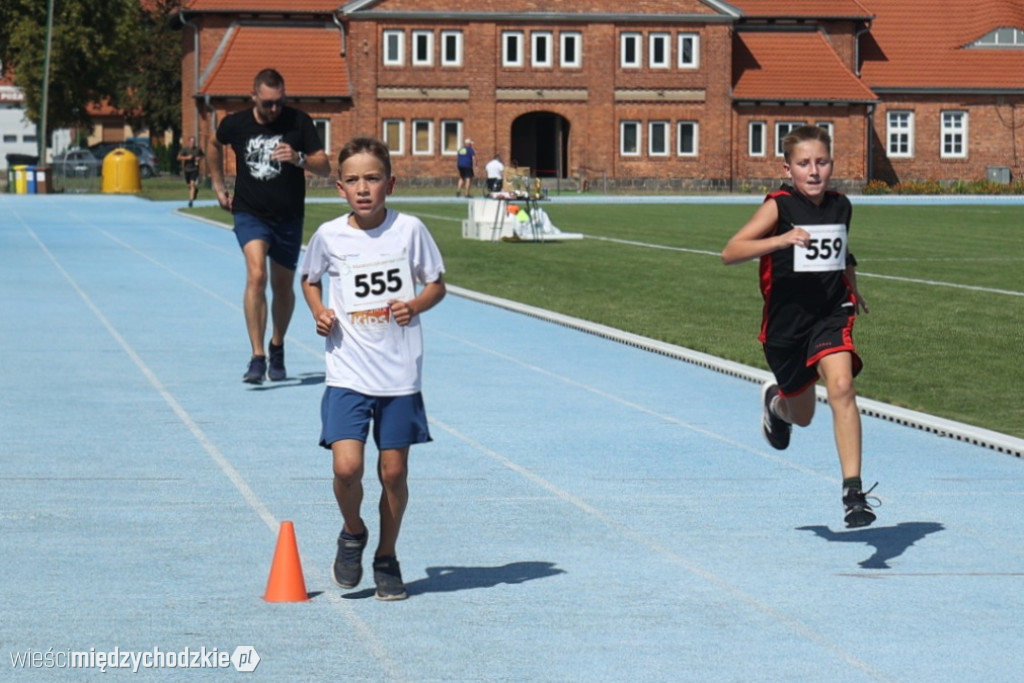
(21, 179)
(121, 172)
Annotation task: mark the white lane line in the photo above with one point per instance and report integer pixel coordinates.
(643, 409)
(370, 640)
(211, 449)
(688, 565)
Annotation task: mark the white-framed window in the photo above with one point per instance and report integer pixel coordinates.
(512, 48)
(954, 135)
(782, 129)
(394, 47)
(541, 44)
(629, 50)
(756, 145)
(451, 48)
(323, 129)
(393, 135)
(1001, 37)
(629, 138)
(422, 136)
(658, 50)
(571, 53)
(687, 138)
(657, 138)
(688, 50)
(423, 48)
(451, 136)
(899, 133)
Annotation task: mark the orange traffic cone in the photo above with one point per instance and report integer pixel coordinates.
(286, 583)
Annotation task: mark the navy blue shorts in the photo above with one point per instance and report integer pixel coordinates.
(284, 237)
(398, 421)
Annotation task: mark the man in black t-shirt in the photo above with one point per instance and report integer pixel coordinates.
(274, 146)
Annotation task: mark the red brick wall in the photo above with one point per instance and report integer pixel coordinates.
(995, 137)
(593, 125)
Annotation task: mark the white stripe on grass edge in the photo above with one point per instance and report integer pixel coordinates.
(860, 273)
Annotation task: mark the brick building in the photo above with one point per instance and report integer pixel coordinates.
(687, 94)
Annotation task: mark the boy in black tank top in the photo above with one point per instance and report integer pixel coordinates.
(809, 286)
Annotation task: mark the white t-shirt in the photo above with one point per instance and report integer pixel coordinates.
(494, 168)
(368, 351)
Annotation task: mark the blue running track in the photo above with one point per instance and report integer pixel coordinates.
(588, 511)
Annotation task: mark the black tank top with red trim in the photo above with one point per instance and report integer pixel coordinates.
(794, 302)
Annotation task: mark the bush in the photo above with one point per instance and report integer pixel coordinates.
(936, 187)
(877, 187)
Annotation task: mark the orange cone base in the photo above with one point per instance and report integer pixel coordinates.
(286, 583)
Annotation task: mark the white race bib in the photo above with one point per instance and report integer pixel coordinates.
(825, 251)
(369, 284)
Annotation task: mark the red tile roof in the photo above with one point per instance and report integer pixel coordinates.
(812, 9)
(917, 44)
(792, 66)
(263, 6)
(309, 59)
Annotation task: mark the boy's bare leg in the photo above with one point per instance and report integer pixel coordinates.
(392, 469)
(837, 371)
(348, 482)
(798, 409)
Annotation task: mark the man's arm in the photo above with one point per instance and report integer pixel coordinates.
(318, 163)
(215, 165)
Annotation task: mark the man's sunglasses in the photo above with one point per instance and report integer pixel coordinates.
(270, 104)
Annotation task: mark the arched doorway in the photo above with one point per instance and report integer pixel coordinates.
(540, 140)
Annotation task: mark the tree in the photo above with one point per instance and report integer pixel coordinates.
(110, 51)
(152, 92)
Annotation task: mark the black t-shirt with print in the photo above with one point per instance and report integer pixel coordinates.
(272, 190)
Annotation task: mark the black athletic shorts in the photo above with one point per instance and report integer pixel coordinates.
(795, 363)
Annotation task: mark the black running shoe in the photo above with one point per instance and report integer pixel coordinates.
(257, 369)
(388, 578)
(275, 367)
(858, 512)
(776, 430)
(348, 563)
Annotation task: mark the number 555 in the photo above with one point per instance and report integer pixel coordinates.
(377, 283)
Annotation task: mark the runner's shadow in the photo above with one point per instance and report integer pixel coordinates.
(450, 579)
(307, 379)
(888, 542)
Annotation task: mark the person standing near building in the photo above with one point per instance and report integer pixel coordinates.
(495, 170)
(189, 156)
(274, 145)
(466, 163)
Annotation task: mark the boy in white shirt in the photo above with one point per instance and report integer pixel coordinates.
(374, 257)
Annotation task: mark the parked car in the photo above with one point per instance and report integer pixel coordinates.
(77, 163)
(149, 165)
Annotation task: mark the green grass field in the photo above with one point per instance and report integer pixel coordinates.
(945, 287)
